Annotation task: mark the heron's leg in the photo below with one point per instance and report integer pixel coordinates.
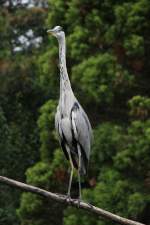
(79, 170)
(71, 174)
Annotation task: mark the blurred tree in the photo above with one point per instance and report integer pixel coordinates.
(108, 62)
(20, 97)
(51, 176)
(46, 128)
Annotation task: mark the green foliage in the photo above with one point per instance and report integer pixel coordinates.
(51, 176)
(100, 77)
(139, 107)
(47, 70)
(108, 51)
(136, 150)
(136, 203)
(107, 141)
(46, 128)
(134, 45)
(19, 102)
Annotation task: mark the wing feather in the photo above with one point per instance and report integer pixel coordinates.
(60, 133)
(82, 129)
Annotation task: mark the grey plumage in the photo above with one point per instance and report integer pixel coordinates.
(71, 122)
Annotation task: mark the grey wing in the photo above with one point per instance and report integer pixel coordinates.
(59, 130)
(82, 130)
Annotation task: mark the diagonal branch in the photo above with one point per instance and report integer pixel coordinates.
(72, 202)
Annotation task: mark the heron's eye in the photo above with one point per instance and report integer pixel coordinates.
(59, 28)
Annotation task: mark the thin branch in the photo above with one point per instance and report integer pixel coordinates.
(72, 202)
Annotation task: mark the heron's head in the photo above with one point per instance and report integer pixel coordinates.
(57, 32)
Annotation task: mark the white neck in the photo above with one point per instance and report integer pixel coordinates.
(64, 79)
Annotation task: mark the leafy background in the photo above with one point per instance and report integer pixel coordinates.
(108, 52)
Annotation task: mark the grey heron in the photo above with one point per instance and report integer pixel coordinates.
(71, 122)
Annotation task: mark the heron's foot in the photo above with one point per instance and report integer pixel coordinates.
(91, 206)
(68, 198)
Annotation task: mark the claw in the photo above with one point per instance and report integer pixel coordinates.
(91, 206)
(67, 198)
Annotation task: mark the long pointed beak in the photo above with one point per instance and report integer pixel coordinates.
(50, 31)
